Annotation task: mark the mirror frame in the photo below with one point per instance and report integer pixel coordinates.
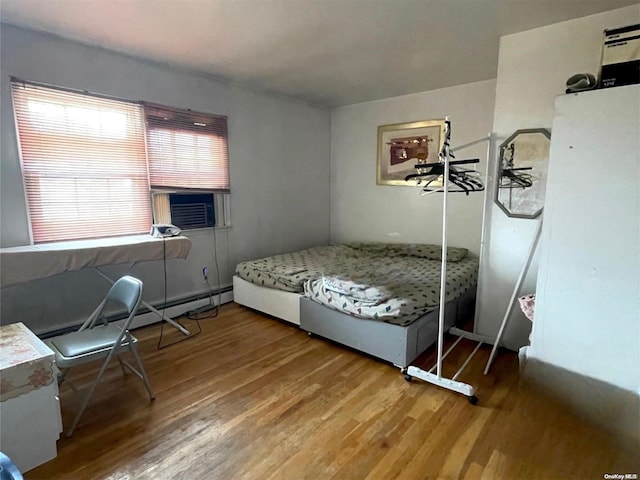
(503, 146)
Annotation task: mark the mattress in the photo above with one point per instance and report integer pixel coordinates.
(396, 283)
(397, 289)
(289, 271)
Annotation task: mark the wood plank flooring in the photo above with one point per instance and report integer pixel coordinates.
(254, 398)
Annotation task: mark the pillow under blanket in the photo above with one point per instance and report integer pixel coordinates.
(420, 250)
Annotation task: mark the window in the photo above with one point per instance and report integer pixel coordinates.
(187, 150)
(83, 163)
(89, 164)
(187, 154)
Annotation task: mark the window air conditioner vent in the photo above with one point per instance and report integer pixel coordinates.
(190, 211)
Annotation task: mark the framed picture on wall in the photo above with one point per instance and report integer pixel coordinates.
(402, 145)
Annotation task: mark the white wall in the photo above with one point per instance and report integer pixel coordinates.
(279, 167)
(533, 67)
(362, 210)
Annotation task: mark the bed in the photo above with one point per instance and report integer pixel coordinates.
(381, 299)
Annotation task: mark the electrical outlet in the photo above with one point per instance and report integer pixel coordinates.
(205, 273)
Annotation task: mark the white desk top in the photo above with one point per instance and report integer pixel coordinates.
(32, 262)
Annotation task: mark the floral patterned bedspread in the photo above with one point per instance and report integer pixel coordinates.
(290, 271)
(396, 283)
(396, 289)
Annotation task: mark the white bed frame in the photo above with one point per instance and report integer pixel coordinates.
(283, 305)
(396, 344)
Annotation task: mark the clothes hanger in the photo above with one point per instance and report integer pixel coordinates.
(510, 179)
(461, 178)
(511, 176)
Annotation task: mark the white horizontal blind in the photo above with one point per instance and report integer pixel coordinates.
(187, 150)
(84, 164)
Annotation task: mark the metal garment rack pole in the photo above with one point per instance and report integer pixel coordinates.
(512, 300)
(162, 316)
(428, 376)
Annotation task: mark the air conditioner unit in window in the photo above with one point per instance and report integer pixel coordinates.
(192, 210)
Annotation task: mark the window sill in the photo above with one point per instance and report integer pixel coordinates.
(200, 231)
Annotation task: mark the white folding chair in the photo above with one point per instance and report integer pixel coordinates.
(94, 341)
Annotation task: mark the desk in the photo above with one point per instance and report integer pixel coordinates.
(32, 262)
(30, 421)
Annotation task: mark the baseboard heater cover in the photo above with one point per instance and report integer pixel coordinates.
(174, 308)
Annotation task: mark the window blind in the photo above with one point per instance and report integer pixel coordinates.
(187, 150)
(84, 164)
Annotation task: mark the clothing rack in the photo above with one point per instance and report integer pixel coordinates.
(444, 170)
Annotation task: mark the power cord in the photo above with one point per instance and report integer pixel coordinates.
(212, 307)
(164, 306)
(215, 258)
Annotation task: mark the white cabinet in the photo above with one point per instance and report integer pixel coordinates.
(587, 317)
(30, 421)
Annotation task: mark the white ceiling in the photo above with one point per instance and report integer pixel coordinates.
(329, 52)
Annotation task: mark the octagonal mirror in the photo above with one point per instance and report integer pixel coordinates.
(522, 172)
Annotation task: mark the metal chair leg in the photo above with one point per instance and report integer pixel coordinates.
(124, 372)
(145, 379)
(86, 398)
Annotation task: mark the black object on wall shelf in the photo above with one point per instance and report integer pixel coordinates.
(580, 82)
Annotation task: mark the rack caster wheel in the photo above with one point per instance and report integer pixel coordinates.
(472, 399)
(408, 378)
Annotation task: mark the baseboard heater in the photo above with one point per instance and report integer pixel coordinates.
(191, 304)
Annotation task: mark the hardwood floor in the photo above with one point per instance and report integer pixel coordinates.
(255, 398)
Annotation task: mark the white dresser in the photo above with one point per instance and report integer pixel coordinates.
(30, 420)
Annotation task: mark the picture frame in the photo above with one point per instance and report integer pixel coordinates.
(402, 145)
